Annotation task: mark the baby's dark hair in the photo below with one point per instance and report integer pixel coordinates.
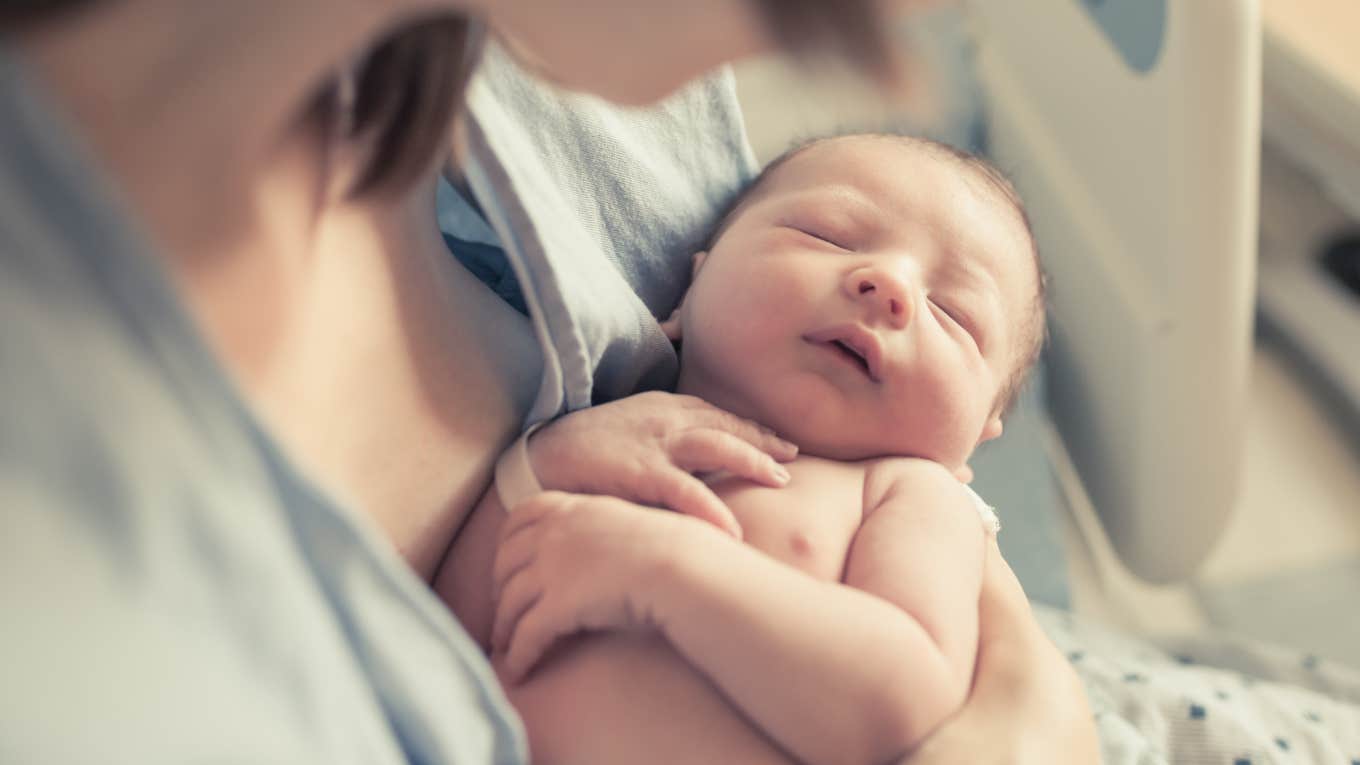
(1034, 332)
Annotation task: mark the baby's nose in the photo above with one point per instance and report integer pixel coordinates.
(887, 291)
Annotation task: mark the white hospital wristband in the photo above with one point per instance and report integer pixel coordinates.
(515, 479)
(986, 512)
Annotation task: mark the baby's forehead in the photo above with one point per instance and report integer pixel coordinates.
(888, 168)
(822, 161)
(901, 182)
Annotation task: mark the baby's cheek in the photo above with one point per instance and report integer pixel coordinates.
(941, 418)
(807, 409)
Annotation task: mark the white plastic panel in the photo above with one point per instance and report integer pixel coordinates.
(1143, 189)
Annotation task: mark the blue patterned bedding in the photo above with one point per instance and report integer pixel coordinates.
(1211, 698)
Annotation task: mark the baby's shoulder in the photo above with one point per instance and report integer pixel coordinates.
(921, 486)
(895, 474)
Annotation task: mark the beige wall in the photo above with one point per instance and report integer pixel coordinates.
(1324, 30)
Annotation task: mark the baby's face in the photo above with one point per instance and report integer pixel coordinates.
(867, 301)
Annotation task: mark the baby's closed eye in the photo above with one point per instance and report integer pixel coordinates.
(959, 315)
(824, 237)
(828, 225)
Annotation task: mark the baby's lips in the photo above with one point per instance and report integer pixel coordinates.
(854, 338)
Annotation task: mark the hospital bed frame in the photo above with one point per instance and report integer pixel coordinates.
(1132, 130)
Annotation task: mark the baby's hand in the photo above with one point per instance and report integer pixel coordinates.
(569, 563)
(646, 449)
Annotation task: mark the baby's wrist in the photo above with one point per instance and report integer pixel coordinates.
(675, 579)
(553, 452)
(516, 479)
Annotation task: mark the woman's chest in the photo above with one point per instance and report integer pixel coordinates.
(399, 376)
(810, 523)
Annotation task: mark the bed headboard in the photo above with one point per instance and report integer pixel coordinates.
(1132, 129)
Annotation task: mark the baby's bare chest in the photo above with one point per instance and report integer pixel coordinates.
(810, 523)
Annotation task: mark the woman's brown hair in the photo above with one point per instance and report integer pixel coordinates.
(406, 95)
(851, 30)
(406, 91)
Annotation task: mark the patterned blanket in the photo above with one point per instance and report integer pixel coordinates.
(1211, 698)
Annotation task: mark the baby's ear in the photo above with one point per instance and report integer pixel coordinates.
(991, 430)
(697, 263)
(671, 327)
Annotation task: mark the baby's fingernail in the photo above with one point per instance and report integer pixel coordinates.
(781, 474)
(789, 446)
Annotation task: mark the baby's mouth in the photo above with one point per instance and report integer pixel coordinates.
(853, 344)
(849, 352)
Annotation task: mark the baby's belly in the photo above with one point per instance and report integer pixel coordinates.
(631, 698)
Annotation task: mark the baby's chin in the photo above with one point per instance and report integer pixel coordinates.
(801, 412)
(816, 442)
(829, 435)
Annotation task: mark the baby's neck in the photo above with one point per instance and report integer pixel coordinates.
(692, 385)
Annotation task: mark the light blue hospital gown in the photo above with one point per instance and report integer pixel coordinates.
(171, 589)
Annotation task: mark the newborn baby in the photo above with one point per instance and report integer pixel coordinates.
(877, 300)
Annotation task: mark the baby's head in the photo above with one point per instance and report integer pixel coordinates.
(868, 295)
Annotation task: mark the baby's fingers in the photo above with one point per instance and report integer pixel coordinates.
(685, 494)
(531, 638)
(707, 451)
(764, 439)
(515, 553)
(517, 596)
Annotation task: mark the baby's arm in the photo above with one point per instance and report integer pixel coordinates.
(922, 547)
(856, 673)
(833, 673)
